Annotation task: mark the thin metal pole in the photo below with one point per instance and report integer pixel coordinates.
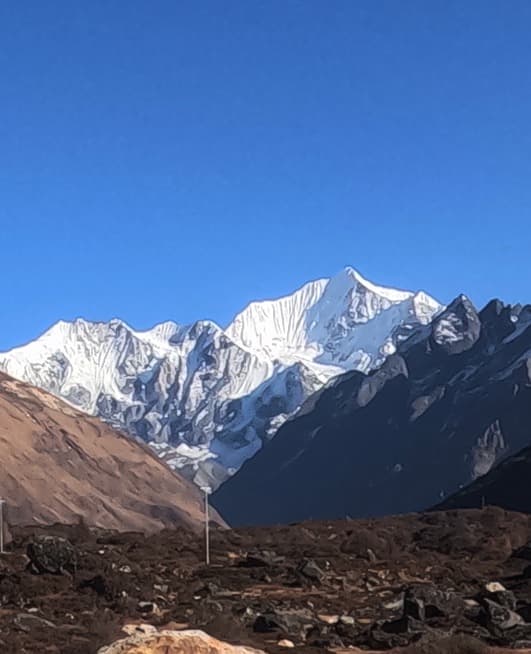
(207, 534)
(206, 490)
(2, 526)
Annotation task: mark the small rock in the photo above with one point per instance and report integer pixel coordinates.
(125, 569)
(311, 571)
(328, 619)
(286, 643)
(494, 587)
(148, 607)
(396, 605)
(347, 620)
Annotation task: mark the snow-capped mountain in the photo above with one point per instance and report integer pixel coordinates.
(332, 325)
(205, 398)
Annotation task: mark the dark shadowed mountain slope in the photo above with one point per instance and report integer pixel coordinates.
(454, 400)
(60, 465)
(507, 485)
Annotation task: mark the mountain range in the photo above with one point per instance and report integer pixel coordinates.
(206, 398)
(452, 402)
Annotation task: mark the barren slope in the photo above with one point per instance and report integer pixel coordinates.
(57, 464)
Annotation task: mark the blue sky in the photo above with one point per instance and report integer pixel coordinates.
(174, 160)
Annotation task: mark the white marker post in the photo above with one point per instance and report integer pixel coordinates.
(2, 502)
(207, 490)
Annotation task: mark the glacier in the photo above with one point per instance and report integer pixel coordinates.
(207, 398)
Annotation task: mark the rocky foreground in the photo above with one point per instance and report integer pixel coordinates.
(314, 587)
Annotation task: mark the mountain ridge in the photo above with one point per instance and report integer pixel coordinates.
(451, 402)
(206, 398)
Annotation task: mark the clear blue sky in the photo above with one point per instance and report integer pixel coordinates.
(164, 159)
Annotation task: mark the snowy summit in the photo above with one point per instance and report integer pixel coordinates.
(204, 397)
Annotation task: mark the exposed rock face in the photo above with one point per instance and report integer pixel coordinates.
(206, 398)
(174, 642)
(60, 465)
(452, 402)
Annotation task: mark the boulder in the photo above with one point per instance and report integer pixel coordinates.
(294, 623)
(311, 571)
(498, 594)
(174, 642)
(497, 617)
(51, 555)
(423, 602)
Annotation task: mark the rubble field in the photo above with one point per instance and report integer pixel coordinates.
(404, 581)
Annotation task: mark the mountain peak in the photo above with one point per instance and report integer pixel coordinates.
(350, 275)
(205, 398)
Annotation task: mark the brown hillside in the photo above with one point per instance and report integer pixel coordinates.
(57, 465)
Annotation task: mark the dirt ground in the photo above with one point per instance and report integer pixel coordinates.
(326, 586)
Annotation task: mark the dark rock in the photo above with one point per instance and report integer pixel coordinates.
(498, 617)
(326, 639)
(98, 584)
(395, 633)
(504, 598)
(263, 559)
(423, 602)
(310, 570)
(294, 623)
(523, 552)
(346, 630)
(148, 607)
(52, 555)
